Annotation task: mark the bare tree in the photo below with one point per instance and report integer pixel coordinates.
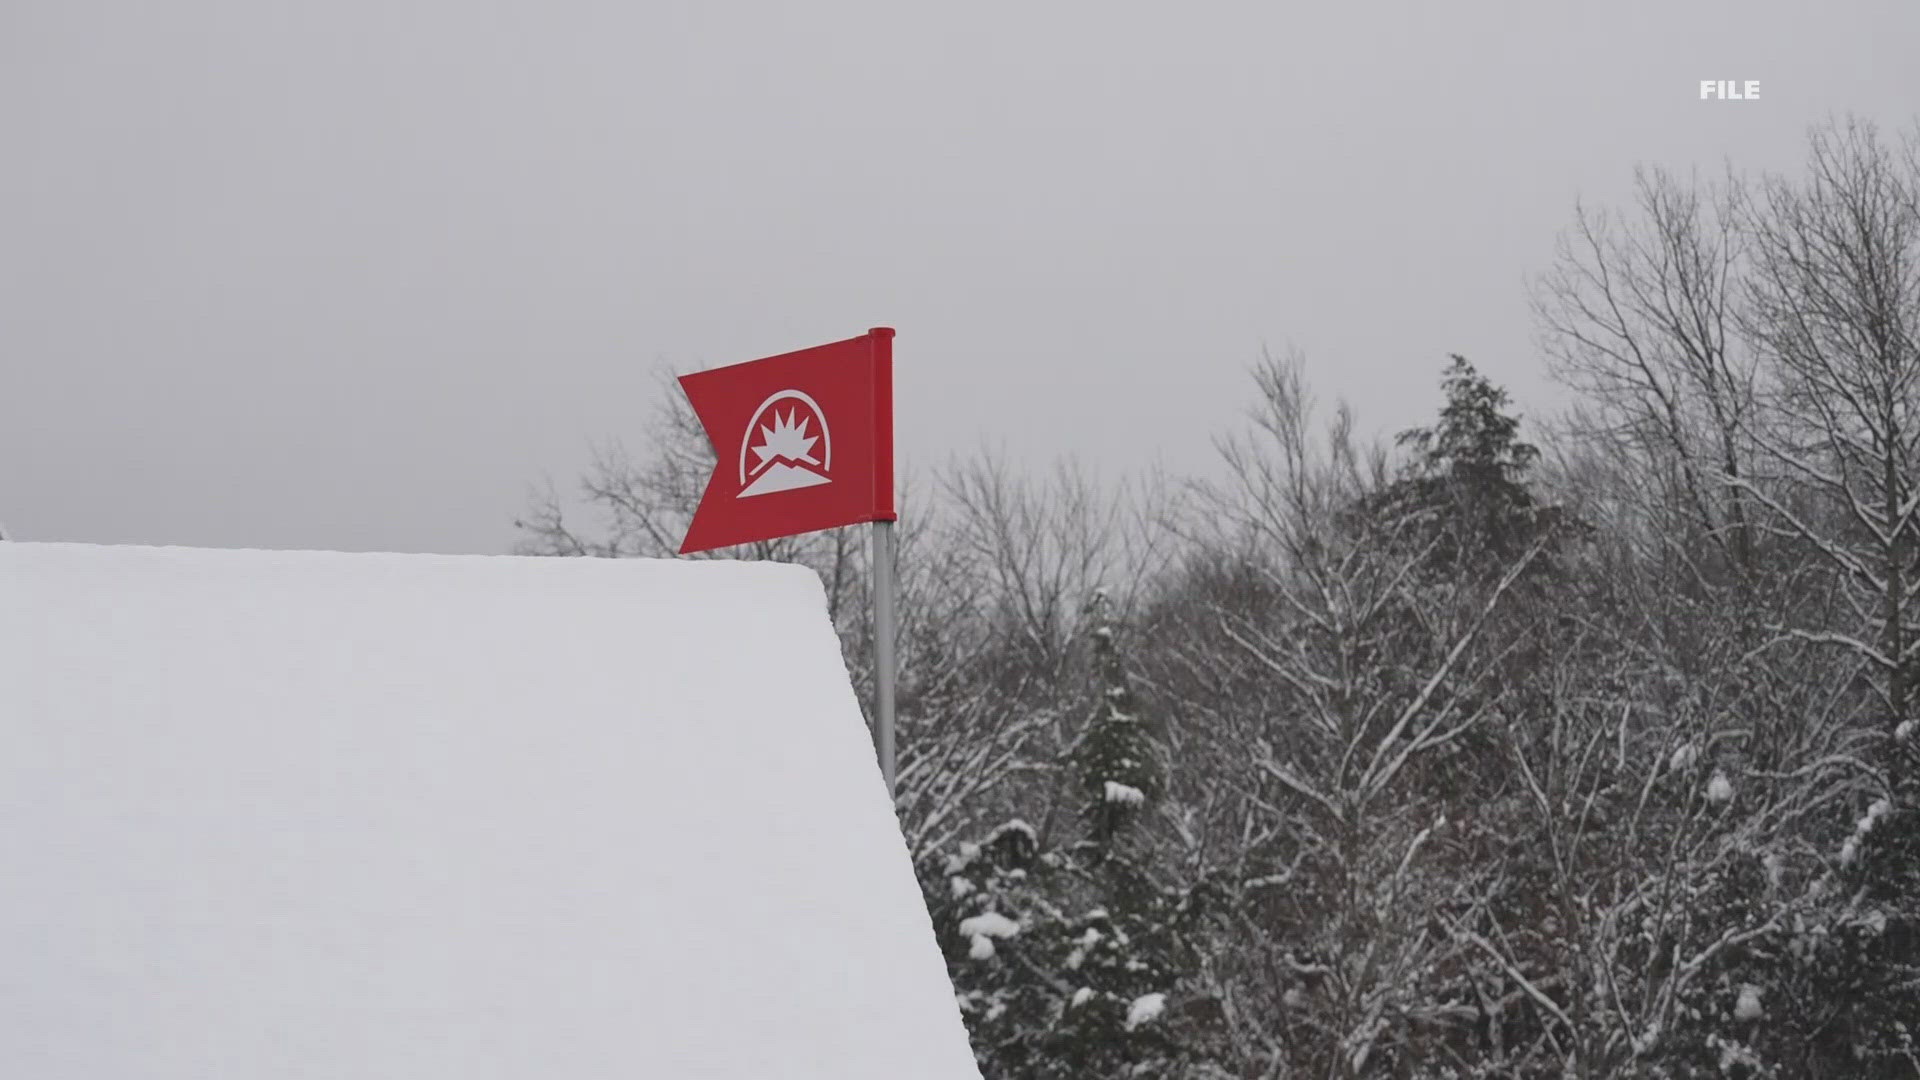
(1687, 805)
(1660, 843)
(1036, 555)
(1338, 682)
(1835, 308)
(1641, 317)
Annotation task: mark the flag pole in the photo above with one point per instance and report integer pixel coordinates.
(885, 562)
(884, 623)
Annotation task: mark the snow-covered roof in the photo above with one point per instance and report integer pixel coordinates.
(277, 814)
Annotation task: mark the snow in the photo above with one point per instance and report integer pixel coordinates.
(1124, 794)
(1684, 757)
(1719, 789)
(989, 924)
(1079, 954)
(982, 929)
(1880, 808)
(1015, 825)
(1735, 1058)
(296, 814)
(1850, 849)
(1145, 1010)
(1648, 1039)
(959, 862)
(1081, 997)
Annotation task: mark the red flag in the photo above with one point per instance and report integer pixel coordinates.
(802, 441)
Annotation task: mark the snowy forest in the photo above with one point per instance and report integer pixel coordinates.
(1583, 746)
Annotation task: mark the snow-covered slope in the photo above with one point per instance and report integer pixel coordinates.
(295, 814)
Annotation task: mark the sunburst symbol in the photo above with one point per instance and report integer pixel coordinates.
(786, 439)
(788, 455)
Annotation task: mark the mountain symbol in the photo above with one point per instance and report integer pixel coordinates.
(788, 455)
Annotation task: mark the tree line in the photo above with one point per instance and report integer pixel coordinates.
(1583, 749)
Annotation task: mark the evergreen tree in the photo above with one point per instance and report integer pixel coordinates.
(1128, 953)
(1476, 441)
(1464, 494)
(1072, 963)
(1119, 776)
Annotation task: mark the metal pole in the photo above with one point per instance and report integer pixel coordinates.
(884, 624)
(885, 565)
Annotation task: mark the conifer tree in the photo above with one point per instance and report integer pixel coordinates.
(1464, 493)
(1072, 963)
(1119, 776)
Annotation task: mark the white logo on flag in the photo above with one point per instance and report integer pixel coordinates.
(789, 454)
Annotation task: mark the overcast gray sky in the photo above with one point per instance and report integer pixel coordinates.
(355, 275)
